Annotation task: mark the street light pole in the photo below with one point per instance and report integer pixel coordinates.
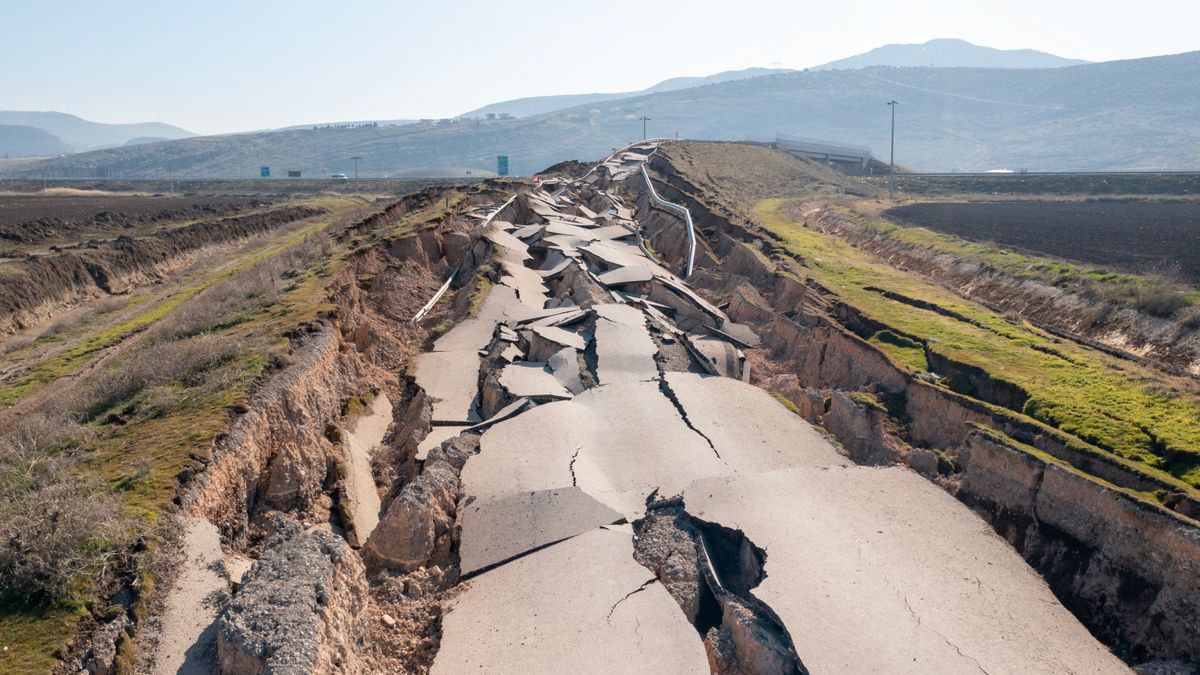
(892, 160)
(644, 119)
(356, 158)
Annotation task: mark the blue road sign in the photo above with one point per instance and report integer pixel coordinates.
(265, 172)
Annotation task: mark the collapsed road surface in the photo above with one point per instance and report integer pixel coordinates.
(633, 505)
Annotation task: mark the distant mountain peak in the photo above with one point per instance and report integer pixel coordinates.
(949, 53)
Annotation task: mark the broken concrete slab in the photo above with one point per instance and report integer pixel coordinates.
(507, 241)
(556, 336)
(532, 379)
(581, 606)
(451, 379)
(632, 274)
(879, 570)
(573, 316)
(565, 229)
(436, 436)
(499, 530)
(718, 356)
(467, 336)
(504, 413)
(750, 429)
(611, 232)
(361, 498)
(564, 364)
(557, 268)
(617, 442)
(527, 232)
(624, 349)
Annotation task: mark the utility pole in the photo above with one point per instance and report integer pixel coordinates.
(356, 158)
(892, 160)
(644, 119)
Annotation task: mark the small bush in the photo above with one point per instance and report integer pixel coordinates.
(189, 361)
(1160, 301)
(56, 530)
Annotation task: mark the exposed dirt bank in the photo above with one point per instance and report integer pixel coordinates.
(38, 287)
(1126, 588)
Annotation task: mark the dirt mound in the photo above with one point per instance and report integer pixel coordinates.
(39, 286)
(35, 220)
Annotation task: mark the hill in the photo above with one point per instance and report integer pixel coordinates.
(83, 134)
(537, 105)
(949, 53)
(1120, 115)
(25, 141)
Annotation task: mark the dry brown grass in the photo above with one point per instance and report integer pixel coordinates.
(57, 529)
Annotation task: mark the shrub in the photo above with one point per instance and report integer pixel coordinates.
(187, 361)
(1160, 301)
(56, 530)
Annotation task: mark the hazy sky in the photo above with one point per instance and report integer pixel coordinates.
(227, 65)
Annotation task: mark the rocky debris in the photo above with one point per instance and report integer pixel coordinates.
(665, 543)
(101, 656)
(417, 529)
(404, 620)
(301, 608)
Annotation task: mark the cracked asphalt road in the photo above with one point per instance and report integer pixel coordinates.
(866, 569)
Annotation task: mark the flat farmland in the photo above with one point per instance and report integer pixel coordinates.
(1133, 236)
(35, 219)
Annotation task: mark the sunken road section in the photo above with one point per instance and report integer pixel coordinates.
(577, 477)
(763, 549)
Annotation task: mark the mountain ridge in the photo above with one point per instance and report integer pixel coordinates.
(949, 53)
(1121, 115)
(83, 134)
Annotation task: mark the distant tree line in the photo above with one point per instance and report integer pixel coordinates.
(348, 126)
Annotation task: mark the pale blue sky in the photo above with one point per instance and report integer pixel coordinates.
(223, 65)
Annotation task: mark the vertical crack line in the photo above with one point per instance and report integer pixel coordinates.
(670, 394)
(571, 466)
(639, 589)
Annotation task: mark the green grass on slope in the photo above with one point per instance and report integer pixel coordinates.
(1099, 399)
(167, 427)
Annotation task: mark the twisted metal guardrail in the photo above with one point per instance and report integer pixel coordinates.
(453, 273)
(682, 211)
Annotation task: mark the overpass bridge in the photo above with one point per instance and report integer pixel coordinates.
(853, 159)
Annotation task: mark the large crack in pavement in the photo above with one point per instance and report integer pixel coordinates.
(537, 542)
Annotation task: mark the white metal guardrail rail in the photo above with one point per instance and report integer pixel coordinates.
(453, 273)
(681, 210)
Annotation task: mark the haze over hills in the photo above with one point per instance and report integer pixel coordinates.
(79, 134)
(950, 53)
(1122, 115)
(536, 105)
(18, 140)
